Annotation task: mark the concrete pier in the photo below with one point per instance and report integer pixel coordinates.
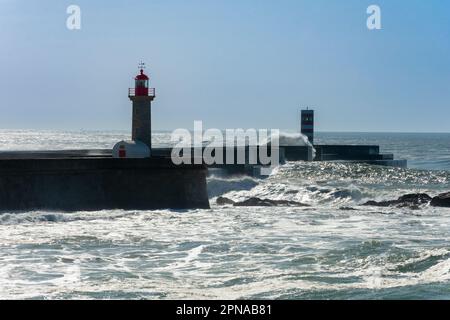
(74, 180)
(74, 184)
(369, 154)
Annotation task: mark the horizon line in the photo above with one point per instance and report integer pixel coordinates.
(170, 130)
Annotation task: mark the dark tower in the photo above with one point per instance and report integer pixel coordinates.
(142, 96)
(307, 124)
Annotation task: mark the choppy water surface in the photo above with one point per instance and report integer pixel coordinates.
(334, 249)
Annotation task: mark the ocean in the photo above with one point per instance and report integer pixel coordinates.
(333, 249)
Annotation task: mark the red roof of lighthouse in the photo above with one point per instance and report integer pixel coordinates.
(141, 76)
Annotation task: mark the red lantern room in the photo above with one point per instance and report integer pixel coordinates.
(141, 88)
(141, 84)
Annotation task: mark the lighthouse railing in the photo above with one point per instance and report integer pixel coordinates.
(132, 92)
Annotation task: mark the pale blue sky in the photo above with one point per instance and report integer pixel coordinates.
(230, 63)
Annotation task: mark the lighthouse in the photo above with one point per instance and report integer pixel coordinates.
(141, 97)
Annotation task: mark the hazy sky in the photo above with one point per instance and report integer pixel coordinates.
(230, 63)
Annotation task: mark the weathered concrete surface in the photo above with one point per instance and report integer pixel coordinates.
(101, 183)
(347, 152)
(56, 154)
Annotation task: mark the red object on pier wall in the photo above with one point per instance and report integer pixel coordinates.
(122, 152)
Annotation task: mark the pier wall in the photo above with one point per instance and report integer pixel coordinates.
(101, 183)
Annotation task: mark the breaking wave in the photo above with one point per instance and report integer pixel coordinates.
(291, 139)
(218, 186)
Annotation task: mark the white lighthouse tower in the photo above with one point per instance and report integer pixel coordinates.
(141, 96)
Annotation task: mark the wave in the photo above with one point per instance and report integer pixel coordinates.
(286, 139)
(331, 184)
(218, 186)
(428, 266)
(33, 217)
(289, 139)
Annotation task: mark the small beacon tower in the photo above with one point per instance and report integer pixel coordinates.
(141, 133)
(307, 124)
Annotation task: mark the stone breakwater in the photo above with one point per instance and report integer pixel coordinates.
(413, 201)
